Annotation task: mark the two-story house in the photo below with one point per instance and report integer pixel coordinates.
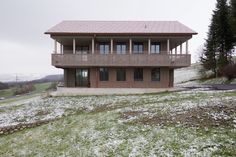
(125, 54)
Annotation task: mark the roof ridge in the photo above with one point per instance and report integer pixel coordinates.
(120, 21)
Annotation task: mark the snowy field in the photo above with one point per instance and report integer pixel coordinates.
(187, 123)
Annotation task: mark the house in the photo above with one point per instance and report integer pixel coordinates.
(122, 54)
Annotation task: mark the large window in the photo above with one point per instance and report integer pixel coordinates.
(155, 47)
(121, 74)
(104, 48)
(138, 74)
(104, 74)
(138, 47)
(121, 48)
(156, 74)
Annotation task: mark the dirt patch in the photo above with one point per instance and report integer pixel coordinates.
(128, 114)
(21, 126)
(198, 117)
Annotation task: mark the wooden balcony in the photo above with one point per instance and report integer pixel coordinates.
(124, 60)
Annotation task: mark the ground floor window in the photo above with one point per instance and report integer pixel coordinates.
(138, 74)
(103, 74)
(156, 74)
(121, 74)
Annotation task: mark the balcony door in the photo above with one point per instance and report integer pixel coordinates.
(82, 50)
(82, 77)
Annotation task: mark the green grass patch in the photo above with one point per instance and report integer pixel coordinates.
(6, 92)
(41, 87)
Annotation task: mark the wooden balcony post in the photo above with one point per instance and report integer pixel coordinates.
(175, 49)
(187, 47)
(61, 48)
(149, 46)
(130, 46)
(111, 46)
(181, 48)
(55, 46)
(168, 46)
(74, 45)
(92, 45)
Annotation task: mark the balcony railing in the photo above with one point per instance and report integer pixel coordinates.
(125, 60)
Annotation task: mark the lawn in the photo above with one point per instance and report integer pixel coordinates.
(187, 123)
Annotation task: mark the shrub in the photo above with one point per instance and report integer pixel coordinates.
(229, 71)
(23, 89)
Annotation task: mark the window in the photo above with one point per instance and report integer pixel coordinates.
(121, 48)
(138, 74)
(104, 48)
(138, 47)
(121, 74)
(104, 74)
(155, 47)
(82, 50)
(156, 75)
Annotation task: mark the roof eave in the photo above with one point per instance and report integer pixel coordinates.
(145, 33)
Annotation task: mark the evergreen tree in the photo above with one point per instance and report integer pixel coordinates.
(233, 18)
(224, 34)
(219, 43)
(208, 58)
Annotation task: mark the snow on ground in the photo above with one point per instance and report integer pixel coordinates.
(128, 125)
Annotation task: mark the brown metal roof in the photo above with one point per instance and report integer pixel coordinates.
(120, 27)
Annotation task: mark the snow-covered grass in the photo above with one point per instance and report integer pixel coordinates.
(128, 125)
(220, 80)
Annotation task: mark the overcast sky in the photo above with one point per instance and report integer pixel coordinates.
(24, 48)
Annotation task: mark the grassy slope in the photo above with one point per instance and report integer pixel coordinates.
(40, 87)
(103, 133)
(6, 92)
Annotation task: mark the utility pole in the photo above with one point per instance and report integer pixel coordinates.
(16, 79)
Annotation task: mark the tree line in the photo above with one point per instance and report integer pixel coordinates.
(221, 39)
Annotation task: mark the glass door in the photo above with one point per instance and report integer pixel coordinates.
(82, 77)
(82, 50)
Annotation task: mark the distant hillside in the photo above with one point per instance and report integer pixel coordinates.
(49, 78)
